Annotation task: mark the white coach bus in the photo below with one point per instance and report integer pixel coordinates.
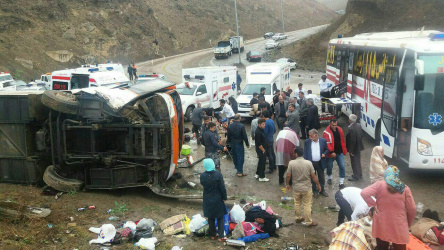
(398, 78)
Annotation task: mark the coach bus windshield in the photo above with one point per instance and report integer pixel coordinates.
(429, 102)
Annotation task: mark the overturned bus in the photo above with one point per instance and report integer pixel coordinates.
(97, 138)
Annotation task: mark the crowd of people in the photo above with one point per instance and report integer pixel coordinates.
(302, 169)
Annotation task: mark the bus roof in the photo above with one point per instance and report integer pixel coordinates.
(426, 41)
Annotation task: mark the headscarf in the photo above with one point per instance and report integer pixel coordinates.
(377, 164)
(209, 164)
(391, 177)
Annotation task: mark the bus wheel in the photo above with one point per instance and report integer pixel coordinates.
(64, 102)
(54, 180)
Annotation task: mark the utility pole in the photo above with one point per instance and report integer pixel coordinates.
(283, 23)
(237, 33)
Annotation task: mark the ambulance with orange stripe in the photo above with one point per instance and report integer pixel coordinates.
(206, 85)
(89, 76)
(398, 79)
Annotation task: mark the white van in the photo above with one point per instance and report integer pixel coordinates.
(89, 76)
(206, 85)
(271, 76)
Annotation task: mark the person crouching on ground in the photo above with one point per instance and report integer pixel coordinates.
(211, 145)
(301, 173)
(214, 195)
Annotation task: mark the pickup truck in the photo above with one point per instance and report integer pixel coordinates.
(222, 50)
(97, 138)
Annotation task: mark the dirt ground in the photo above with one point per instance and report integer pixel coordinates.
(137, 203)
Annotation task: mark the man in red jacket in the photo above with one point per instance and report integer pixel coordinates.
(337, 149)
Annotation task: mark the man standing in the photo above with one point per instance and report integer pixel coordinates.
(237, 136)
(276, 97)
(286, 141)
(135, 72)
(355, 146)
(262, 93)
(301, 173)
(316, 150)
(130, 72)
(280, 110)
(312, 116)
(211, 145)
(196, 120)
(324, 85)
(261, 145)
(263, 105)
(336, 147)
(269, 131)
(254, 100)
(299, 90)
(204, 128)
(238, 81)
(293, 119)
(303, 113)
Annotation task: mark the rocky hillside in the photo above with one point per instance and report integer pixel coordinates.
(369, 16)
(45, 35)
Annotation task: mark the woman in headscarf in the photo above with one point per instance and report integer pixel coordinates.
(377, 164)
(395, 210)
(214, 195)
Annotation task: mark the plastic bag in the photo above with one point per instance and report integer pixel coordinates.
(197, 222)
(143, 234)
(187, 225)
(148, 244)
(237, 214)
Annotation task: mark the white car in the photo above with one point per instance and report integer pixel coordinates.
(287, 60)
(272, 44)
(279, 36)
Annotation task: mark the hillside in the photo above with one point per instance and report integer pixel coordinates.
(368, 16)
(41, 36)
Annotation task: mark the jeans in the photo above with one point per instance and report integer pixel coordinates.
(320, 172)
(271, 156)
(220, 227)
(261, 163)
(345, 208)
(238, 153)
(340, 161)
(303, 199)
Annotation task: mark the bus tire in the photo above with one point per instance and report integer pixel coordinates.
(189, 113)
(64, 102)
(378, 133)
(54, 180)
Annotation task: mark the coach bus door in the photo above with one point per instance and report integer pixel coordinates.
(343, 69)
(390, 108)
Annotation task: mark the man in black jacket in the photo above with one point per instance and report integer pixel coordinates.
(303, 113)
(261, 145)
(354, 146)
(312, 116)
(236, 137)
(212, 145)
(130, 72)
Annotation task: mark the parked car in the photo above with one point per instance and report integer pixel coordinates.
(279, 36)
(287, 60)
(254, 56)
(272, 44)
(268, 35)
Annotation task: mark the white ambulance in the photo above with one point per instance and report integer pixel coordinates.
(206, 85)
(7, 83)
(89, 76)
(271, 76)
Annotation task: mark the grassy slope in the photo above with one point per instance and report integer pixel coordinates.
(123, 30)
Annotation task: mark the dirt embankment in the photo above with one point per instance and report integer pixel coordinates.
(41, 36)
(368, 16)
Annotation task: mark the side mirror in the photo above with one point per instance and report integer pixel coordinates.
(198, 93)
(419, 82)
(419, 65)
